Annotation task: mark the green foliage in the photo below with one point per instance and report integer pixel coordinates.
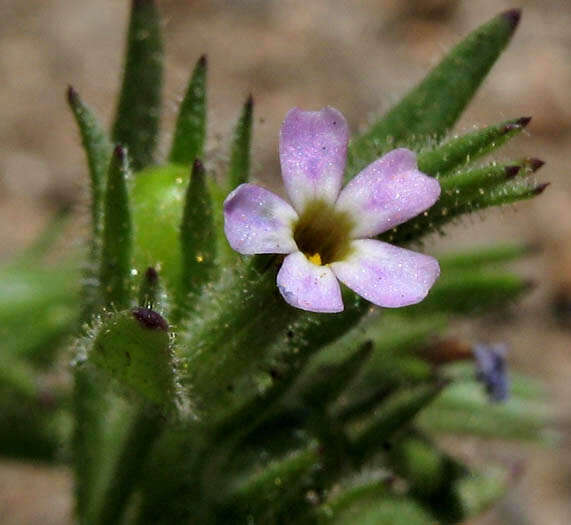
(197, 238)
(465, 149)
(239, 168)
(117, 234)
(245, 409)
(133, 347)
(136, 123)
(190, 130)
(98, 152)
(432, 107)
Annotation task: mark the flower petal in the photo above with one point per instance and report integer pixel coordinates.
(258, 221)
(386, 193)
(308, 286)
(385, 274)
(313, 151)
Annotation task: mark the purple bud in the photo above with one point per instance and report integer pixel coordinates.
(150, 319)
(491, 370)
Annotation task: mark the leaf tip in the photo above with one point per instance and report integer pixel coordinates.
(534, 164)
(512, 171)
(202, 61)
(197, 166)
(151, 275)
(150, 319)
(512, 16)
(120, 152)
(538, 190)
(249, 102)
(523, 121)
(72, 95)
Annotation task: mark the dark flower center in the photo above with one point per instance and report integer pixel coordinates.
(323, 234)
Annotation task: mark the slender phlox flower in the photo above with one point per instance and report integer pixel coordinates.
(327, 233)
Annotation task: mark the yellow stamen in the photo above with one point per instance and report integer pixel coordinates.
(315, 259)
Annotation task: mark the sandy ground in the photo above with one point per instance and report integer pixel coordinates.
(358, 56)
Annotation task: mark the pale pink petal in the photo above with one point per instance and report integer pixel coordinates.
(258, 221)
(308, 286)
(313, 150)
(385, 274)
(386, 193)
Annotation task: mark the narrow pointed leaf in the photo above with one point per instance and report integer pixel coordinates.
(137, 118)
(444, 212)
(328, 382)
(117, 234)
(462, 186)
(432, 107)
(472, 291)
(483, 256)
(98, 152)
(264, 493)
(465, 149)
(397, 412)
(239, 168)
(190, 130)
(197, 237)
(144, 429)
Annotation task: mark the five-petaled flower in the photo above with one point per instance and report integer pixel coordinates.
(326, 231)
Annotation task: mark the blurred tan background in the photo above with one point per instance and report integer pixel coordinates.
(358, 56)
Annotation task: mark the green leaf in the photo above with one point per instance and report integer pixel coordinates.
(263, 494)
(465, 149)
(190, 130)
(483, 256)
(326, 383)
(117, 234)
(395, 414)
(478, 491)
(464, 408)
(98, 151)
(462, 186)
(226, 340)
(144, 430)
(467, 292)
(137, 118)
(372, 506)
(509, 192)
(197, 239)
(432, 107)
(239, 168)
(133, 347)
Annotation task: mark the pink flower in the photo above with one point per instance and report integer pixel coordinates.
(326, 231)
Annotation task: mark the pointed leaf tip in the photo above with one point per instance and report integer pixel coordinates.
(151, 275)
(534, 163)
(538, 190)
(203, 61)
(72, 95)
(516, 124)
(513, 16)
(197, 166)
(120, 152)
(150, 319)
